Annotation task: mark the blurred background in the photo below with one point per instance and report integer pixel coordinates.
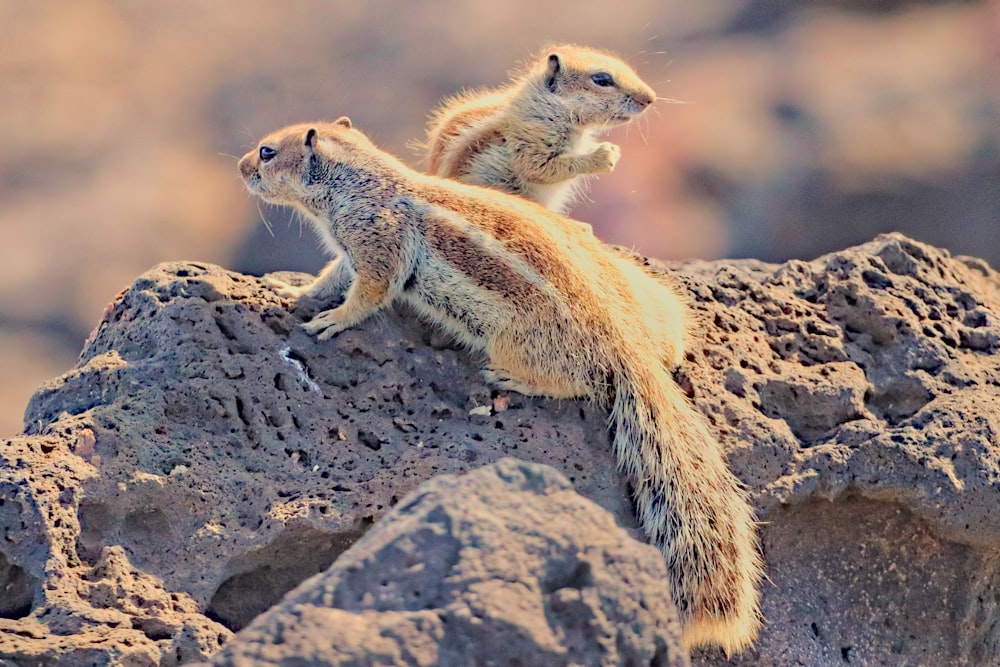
(807, 126)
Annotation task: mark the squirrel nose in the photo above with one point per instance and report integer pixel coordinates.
(246, 165)
(645, 98)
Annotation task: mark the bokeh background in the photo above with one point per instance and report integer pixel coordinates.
(807, 126)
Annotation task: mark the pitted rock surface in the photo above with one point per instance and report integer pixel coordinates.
(505, 565)
(231, 456)
(227, 436)
(861, 404)
(57, 609)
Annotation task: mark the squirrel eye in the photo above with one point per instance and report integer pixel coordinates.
(266, 153)
(603, 79)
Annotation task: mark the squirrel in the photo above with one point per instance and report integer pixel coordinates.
(529, 138)
(555, 314)
(535, 136)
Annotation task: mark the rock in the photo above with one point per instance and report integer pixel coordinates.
(58, 609)
(860, 404)
(505, 565)
(233, 456)
(856, 395)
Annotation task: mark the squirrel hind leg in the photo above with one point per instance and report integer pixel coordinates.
(504, 380)
(535, 365)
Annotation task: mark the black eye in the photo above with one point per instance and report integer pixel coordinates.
(266, 153)
(603, 79)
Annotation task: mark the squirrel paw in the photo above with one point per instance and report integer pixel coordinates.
(509, 384)
(325, 325)
(606, 157)
(285, 290)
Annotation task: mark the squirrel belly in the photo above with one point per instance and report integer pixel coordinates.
(556, 314)
(535, 137)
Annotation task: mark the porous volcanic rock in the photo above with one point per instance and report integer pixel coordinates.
(858, 396)
(506, 565)
(57, 609)
(230, 456)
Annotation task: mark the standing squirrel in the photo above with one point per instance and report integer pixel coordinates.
(556, 314)
(535, 137)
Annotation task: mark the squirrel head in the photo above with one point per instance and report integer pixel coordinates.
(298, 164)
(595, 87)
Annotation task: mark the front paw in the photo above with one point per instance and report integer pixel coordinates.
(285, 290)
(326, 324)
(605, 157)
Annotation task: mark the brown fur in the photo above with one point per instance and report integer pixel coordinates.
(473, 111)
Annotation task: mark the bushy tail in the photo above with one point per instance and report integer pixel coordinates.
(691, 506)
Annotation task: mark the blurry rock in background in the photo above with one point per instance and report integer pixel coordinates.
(805, 128)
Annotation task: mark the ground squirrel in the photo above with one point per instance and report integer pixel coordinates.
(555, 314)
(535, 136)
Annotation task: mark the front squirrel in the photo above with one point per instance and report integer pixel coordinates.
(535, 137)
(556, 314)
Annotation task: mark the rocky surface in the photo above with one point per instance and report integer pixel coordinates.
(57, 608)
(506, 565)
(206, 456)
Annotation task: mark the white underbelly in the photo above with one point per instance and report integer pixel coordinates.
(560, 196)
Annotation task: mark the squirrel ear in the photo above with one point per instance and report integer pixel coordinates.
(343, 121)
(551, 71)
(310, 138)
